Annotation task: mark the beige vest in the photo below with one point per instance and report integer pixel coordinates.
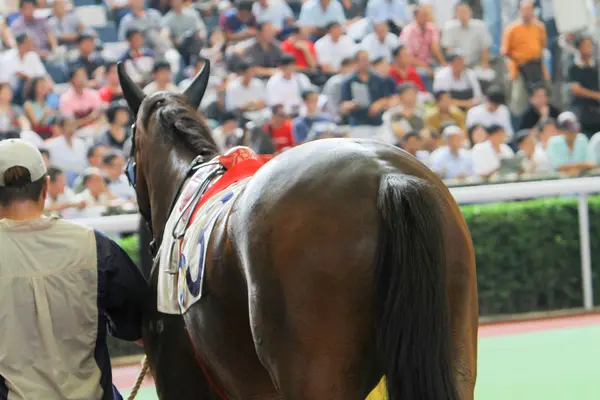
(48, 310)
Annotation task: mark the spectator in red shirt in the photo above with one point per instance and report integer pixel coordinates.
(302, 49)
(401, 70)
(111, 91)
(279, 128)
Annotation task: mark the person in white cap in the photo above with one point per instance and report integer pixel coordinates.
(569, 151)
(62, 287)
(452, 161)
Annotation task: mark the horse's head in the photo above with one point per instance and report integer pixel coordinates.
(167, 134)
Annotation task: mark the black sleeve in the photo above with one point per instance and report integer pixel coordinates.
(122, 290)
(574, 74)
(529, 119)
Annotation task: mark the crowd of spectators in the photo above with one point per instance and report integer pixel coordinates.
(424, 75)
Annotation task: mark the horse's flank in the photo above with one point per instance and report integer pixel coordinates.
(304, 279)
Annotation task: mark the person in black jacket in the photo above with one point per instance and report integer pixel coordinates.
(539, 108)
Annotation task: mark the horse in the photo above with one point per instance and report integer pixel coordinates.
(339, 262)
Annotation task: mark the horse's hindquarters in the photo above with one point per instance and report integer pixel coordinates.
(307, 231)
(308, 235)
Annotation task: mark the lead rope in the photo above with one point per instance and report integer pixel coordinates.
(140, 379)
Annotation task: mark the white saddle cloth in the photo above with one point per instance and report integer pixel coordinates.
(182, 260)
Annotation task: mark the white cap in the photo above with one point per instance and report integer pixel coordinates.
(92, 171)
(451, 130)
(567, 121)
(19, 153)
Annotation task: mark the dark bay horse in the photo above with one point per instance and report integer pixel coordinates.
(340, 262)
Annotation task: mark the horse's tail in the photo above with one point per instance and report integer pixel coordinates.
(413, 330)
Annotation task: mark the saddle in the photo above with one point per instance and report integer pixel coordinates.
(209, 193)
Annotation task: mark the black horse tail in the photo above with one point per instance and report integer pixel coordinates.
(413, 329)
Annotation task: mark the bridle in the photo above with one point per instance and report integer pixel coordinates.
(131, 174)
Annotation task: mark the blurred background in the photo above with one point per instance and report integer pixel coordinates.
(501, 98)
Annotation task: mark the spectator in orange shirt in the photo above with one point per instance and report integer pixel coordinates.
(523, 43)
(279, 128)
(302, 49)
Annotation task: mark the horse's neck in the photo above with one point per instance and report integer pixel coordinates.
(165, 178)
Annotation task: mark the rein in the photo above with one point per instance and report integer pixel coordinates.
(154, 247)
(193, 167)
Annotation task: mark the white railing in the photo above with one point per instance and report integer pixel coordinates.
(470, 194)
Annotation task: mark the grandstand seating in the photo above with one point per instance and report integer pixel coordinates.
(107, 33)
(81, 3)
(92, 16)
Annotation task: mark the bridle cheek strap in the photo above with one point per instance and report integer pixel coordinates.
(155, 243)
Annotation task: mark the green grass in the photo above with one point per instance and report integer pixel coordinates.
(553, 365)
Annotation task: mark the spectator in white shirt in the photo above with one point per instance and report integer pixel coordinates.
(95, 155)
(469, 35)
(247, 94)
(287, 85)
(475, 134)
(67, 152)
(487, 156)
(113, 164)
(441, 10)
(412, 143)
(334, 47)
(394, 11)
(228, 134)
(64, 23)
(492, 111)
(61, 199)
(545, 130)
(276, 12)
(535, 158)
(181, 21)
(21, 64)
(452, 161)
(460, 81)
(96, 195)
(163, 79)
(380, 43)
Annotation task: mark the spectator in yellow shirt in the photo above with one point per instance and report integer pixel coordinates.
(444, 112)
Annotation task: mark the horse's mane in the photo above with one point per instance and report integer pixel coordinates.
(175, 119)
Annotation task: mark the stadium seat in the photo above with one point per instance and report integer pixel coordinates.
(113, 50)
(108, 33)
(81, 3)
(56, 72)
(92, 16)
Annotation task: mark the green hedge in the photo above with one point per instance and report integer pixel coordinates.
(528, 256)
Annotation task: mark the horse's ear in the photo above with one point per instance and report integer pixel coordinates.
(131, 91)
(195, 91)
